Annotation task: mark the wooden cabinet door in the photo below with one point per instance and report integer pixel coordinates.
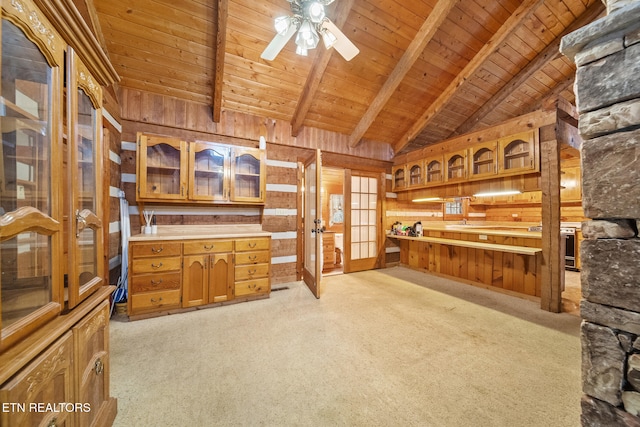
(48, 379)
(91, 348)
(518, 153)
(162, 168)
(31, 251)
(221, 277)
(484, 160)
(86, 266)
(209, 171)
(399, 178)
(456, 166)
(415, 171)
(434, 170)
(195, 280)
(248, 182)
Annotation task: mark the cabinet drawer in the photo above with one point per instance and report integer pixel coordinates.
(155, 282)
(155, 249)
(155, 265)
(207, 246)
(252, 257)
(243, 245)
(249, 287)
(244, 272)
(155, 300)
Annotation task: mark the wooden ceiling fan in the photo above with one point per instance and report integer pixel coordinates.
(308, 19)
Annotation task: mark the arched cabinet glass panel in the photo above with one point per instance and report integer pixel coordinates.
(247, 175)
(30, 218)
(208, 171)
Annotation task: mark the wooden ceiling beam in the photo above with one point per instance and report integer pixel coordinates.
(318, 68)
(413, 52)
(551, 52)
(511, 24)
(221, 45)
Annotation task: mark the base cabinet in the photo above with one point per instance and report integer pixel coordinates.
(60, 375)
(47, 379)
(198, 272)
(91, 351)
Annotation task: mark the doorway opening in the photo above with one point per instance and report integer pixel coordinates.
(333, 221)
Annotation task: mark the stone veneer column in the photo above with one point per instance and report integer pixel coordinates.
(607, 56)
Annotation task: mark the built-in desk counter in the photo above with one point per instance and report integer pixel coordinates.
(505, 259)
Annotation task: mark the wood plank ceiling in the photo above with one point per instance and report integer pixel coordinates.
(427, 69)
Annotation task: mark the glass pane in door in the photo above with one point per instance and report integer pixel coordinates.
(86, 180)
(163, 170)
(25, 174)
(209, 171)
(364, 228)
(247, 176)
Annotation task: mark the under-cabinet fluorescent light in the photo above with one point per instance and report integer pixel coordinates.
(429, 199)
(498, 193)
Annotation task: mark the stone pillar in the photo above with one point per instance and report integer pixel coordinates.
(607, 87)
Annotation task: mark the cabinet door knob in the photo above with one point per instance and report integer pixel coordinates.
(154, 266)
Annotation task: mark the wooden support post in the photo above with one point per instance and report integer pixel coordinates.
(552, 259)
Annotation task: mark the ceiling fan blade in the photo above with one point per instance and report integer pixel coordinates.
(278, 42)
(343, 45)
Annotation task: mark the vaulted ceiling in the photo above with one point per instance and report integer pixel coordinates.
(427, 70)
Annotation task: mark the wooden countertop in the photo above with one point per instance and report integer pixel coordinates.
(514, 230)
(189, 232)
(524, 250)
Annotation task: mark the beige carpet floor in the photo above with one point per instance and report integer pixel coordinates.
(390, 347)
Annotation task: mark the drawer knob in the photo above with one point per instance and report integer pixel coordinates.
(156, 300)
(252, 271)
(208, 247)
(156, 282)
(156, 251)
(98, 367)
(252, 245)
(253, 257)
(156, 266)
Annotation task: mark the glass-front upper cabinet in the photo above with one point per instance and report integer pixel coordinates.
(248, 175)
(209, 171)
(416, 173)
(519, 153)
(398, 178)
(484, 159)
(84, 120)
(434, 170)
(31, 291)
(162, 172)
(456, 166)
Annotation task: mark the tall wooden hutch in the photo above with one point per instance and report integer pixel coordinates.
(54, 299)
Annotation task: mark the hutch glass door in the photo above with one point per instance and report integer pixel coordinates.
(30, 229)
(85, 252)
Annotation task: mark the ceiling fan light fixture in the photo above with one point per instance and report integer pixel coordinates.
(282, 24)
(315, 12)
(328, 38)
(301, 51)
(307, 37)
